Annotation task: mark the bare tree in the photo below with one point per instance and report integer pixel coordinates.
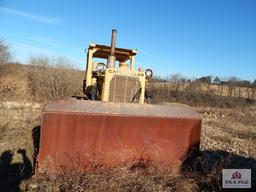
(53, 78)
(5, 53)
(254, 84)
(177, 80)
(232, 83)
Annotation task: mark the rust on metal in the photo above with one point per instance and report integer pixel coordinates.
(112, 57)
(121, 54)
(79, 134)
(113, 42)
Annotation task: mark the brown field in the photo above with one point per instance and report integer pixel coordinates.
(215, 89)
(228, 141)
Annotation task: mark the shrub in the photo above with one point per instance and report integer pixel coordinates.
(13, 87)
(51, 79)
(13, 83)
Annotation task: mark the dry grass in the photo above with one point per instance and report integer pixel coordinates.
(52, 79)
(232, 130)
(227, 142)
(17, 121)
(13, 83)
(46, 79)
(205, 88)
(198, 94)
(117, 179)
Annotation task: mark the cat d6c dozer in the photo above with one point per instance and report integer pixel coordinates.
(111, 125)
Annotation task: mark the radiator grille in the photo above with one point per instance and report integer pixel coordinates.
(124, 89)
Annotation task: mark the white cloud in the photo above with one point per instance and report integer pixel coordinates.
(47, 40)
(41, 19)
(54, 43)
(23, 51)
(32, 49)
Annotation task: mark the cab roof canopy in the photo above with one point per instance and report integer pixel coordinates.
(103, 51)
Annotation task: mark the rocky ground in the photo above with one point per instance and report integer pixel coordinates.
(232, 130)
(228, 141)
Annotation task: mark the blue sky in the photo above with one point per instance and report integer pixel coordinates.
(193, 38)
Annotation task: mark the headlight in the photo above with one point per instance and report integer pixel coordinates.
(149, 73)
(101, 67)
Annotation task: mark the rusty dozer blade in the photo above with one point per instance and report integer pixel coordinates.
(78, 135)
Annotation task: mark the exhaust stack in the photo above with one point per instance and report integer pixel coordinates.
(112, 57)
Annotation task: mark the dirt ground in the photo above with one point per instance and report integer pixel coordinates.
(228, 140)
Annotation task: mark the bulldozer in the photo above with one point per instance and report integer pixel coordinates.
(112, 124)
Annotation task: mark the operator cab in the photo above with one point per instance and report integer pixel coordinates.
(107, 82)
(125, 57)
